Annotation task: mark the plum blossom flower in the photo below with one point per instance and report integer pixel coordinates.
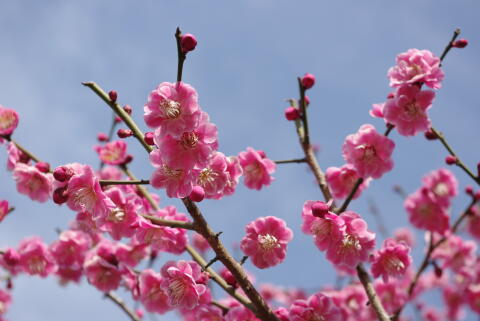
(5, 301)
(369, 152)
(35, 258)
(456, 253)
(33, 183)
(266, 241)
(86, 195)
(392, 260)
(179, 282)
(113, 153)
(102, 267)
(172, 107)
(405, 235)
(425, 213)
(15, 156)
(407, 110)
(234, 170)
(177, 181)
(192, 148)
(342, 180)
(356, 244)
(215, 177)
(317, 307)
(240, 313)
(416, 66)
(152, 296)
(256, 169)
(443, 184)
(8, 121)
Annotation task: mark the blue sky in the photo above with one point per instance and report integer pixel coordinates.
(245, 66)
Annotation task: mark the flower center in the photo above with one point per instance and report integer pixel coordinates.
(350, 242)
(170, 108)
(268, 242)
(6, 120)
(176, 291)
(172, 173)
(189, 140)
(207, 177)
(441, 189)
(37, 265)
(412, 111)
(116, 216)
(394, 264)
(85, 197)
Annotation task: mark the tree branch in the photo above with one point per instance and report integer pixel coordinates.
(115, 299)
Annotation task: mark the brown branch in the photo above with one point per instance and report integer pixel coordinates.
(449, 46)
(288, 161)
(180, 53)
(350, 196)
(371, 293)
(115, 299)
(262, 310)
(458, 162)
(170, 223)
(105, 182)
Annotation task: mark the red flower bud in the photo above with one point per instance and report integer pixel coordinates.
(460, 43)
(60, 195)
(128, 109)
(292, 113)
(124, 133)
(450, 160)
(197, 194)
(149, 138)
(118, 119)
(43, 167)
(308, 81)
(430, 135)
(188, 42)
(62, 173)
(102, 137)
(320, 209)
(469, 190)
(128, 159)
(112, 94)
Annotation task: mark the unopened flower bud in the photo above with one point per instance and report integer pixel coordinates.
(112, 94)
(9, 284)
(469, 190)
(60, 195)
(124, 133)
(292, 113)
(477, 195)
(118, 119)
(128, 109)
(62, 173)
(460, 43)
(261, 153)
(438, 271)
(149, 138)
(307, 101)
(188, 42)
(102, 137)
(11, 257)
(450, 160)
(430, 135)
(43, 167)
(128, 159)
(139, 313)
(228, 277)
(320, 209)
(390, 95)
(308, 81)
(197, 194)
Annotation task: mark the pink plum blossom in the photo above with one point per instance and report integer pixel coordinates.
(369, 152)
(172, 107)
(472, 297)
(131, 254)
(342, 180)
(405, 235)
(15, 156)
(356, 244)
(456, 253)
(102, 267)
(407, 110)
(33, 183)
(215, 177)
(234, 170)
(113, 153)
(35, 258)
(152, 296)
(425, 213)
(200, 243)
(240, 313)
(179, 282)
(257, 170)
(8, 121)
(393, 259)
(178, 182)
(473, 222)
(5, 301)
(416, 66)
(86, 195)
(192, 148)
(266, 241)
(317, 307)
(393, 293)
(443, 184)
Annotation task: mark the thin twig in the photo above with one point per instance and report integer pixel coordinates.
(181, 54)
(170, 223)
(295, 160)
(458, 162)
(115, 299)
(449, 46)
(350, 196)
(371, 293)
(20, 147)
(303, 109)
(110, 133)
(105, 182)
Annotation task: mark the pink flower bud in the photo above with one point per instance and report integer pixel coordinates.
(140, 313)
(438, 271)
(430, 135)
(128, 109)
(469, 190)
(320, 209)
(11, 257)
(9, 284)
(460, 43)
(60, 195)
(112, 94)
(118, 119)
(128, 159)
(43, 167)
(124, 133)
(102, 137)
(450, 160)
(307, 101)
(228, 277)
(149, 138)
(62, 173)
(188, 42)
(308, 81)
(292, 113)
(197, 194)
(261, 153)
(477, 195)
(390, 95)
